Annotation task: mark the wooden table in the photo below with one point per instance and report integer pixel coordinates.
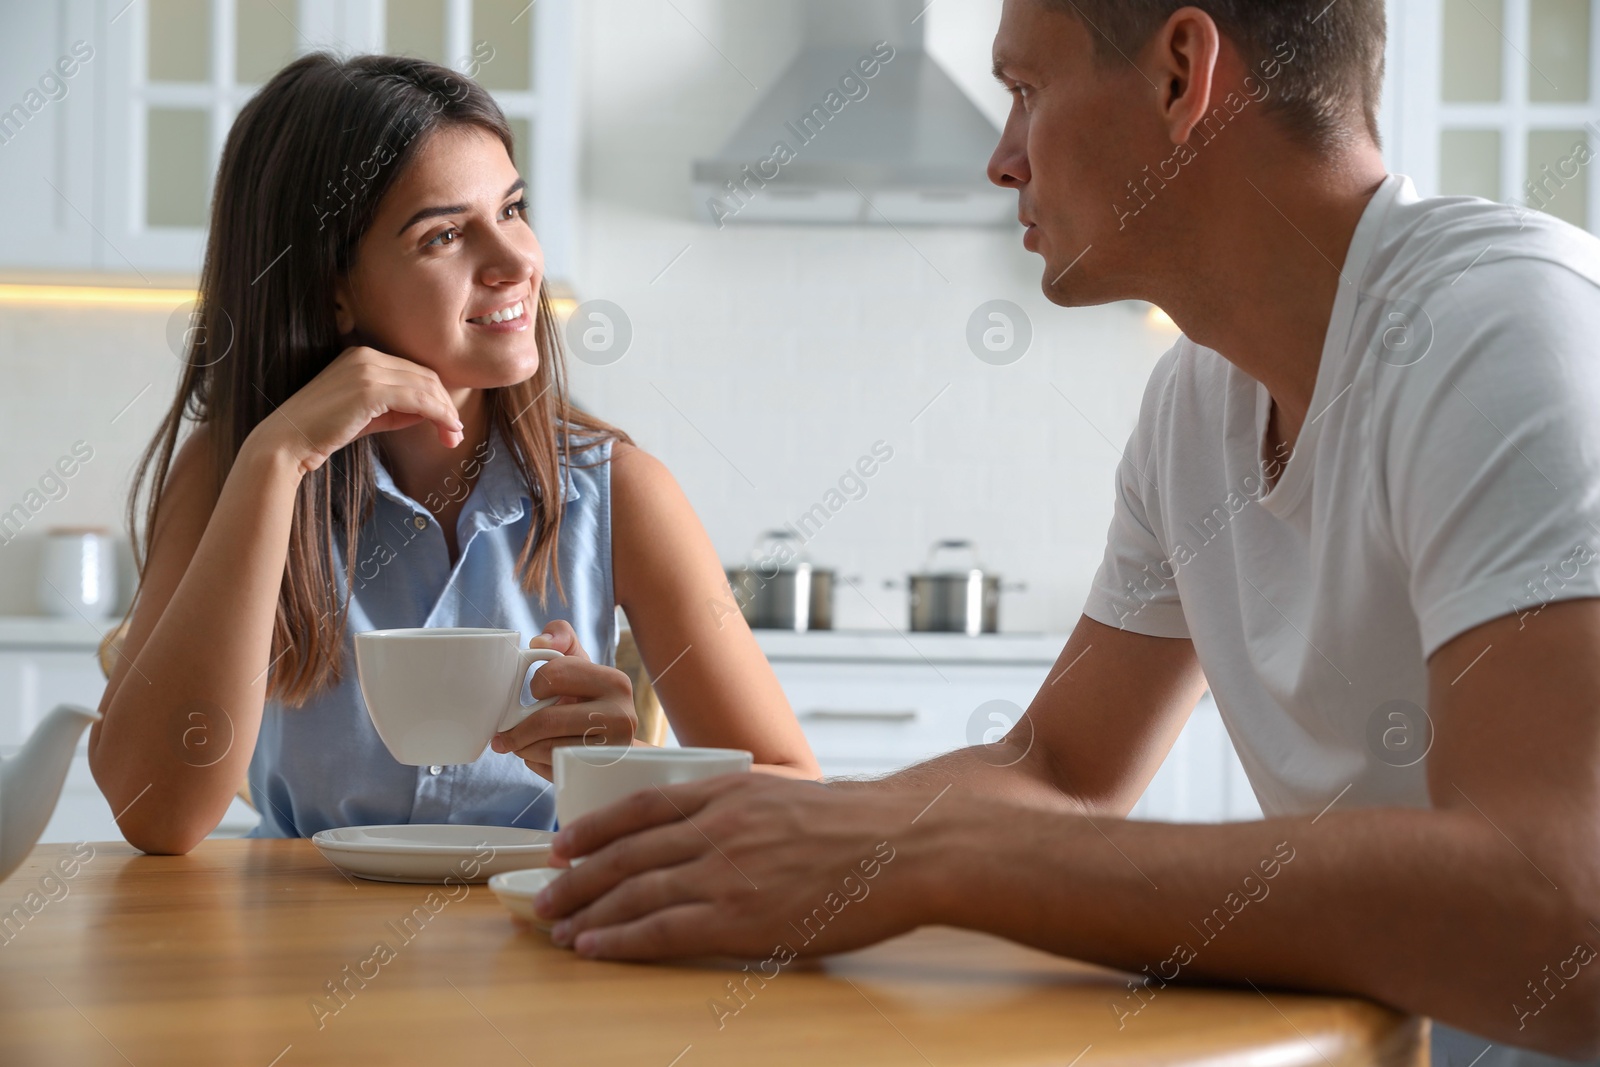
(222, 957)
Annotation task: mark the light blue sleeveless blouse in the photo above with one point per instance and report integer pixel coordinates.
(322, 765)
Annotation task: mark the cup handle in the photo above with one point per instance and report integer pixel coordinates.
(515, 711)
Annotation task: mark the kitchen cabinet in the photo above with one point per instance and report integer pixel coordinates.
(1498, 99)
(872, 703)
(120, 165)
(45, 662)
(49, 136)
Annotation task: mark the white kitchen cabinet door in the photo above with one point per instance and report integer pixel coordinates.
(47, 133)
(1499, 99)
(1201, 780)
(32, 683)
(118, 172)
(867, 719)
(864, 718)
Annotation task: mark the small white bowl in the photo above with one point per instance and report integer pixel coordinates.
(516, 890)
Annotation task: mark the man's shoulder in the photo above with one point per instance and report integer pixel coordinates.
(1185, 400)
(1463, 290)
(1451, 248)
(1493, 312)
(1187, 379)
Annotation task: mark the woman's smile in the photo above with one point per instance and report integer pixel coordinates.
(509, 318)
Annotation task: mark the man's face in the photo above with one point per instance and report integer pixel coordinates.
(1080, 129)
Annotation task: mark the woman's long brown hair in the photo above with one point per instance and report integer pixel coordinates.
(305, 166)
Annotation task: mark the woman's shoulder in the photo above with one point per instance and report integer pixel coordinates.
(623, 463)
(641, 485)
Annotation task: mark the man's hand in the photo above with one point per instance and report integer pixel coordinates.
(662, 879)
(596, 705)
(742, 865)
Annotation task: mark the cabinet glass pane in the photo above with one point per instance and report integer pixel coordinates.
(522, 130)
(1473, 50)
(416, 28)
(267, 34)
(1558, 51)
(176, 164)
(511, 66)
(1558, 174)
(180, 41)
(1469, 163)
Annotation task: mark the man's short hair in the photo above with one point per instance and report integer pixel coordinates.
(1335, 77)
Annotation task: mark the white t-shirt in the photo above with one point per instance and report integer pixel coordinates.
(1448, 474)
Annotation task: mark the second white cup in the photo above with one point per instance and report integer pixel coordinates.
(589, 777)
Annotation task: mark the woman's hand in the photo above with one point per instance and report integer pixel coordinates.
(363, 391)
(596, 705)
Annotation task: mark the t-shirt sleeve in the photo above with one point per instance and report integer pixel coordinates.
(1130, 591)
(1491, 468)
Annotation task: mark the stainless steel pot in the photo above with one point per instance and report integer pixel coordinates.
(779, 589)
(954, 594)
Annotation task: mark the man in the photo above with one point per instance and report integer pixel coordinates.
(1362, 501)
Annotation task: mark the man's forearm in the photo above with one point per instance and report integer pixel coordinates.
(1003, 771)
(1433, 912)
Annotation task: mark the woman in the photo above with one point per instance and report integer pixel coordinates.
(374, 364)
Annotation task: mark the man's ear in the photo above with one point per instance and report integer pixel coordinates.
(344, 318)
(1185, 62)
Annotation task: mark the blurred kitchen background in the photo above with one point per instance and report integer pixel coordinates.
(849, 308)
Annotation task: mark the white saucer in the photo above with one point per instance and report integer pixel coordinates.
(433, 853)
(516, 890)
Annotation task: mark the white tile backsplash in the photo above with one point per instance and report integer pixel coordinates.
(99, 375)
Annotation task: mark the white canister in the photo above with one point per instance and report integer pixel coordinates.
(78, 574)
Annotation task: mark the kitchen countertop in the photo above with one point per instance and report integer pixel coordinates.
(45, 631)
(878, 646)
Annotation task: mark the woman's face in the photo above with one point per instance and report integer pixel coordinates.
(450, 246)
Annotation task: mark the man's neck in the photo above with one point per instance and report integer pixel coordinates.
(1279, 247)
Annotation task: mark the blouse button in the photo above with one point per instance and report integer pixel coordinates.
(435, 769)
(419, 522)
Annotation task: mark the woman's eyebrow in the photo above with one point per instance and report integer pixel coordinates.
(452, 209)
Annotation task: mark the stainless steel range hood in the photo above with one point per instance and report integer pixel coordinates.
(863, 127)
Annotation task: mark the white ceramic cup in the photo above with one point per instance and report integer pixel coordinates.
(588, 777)
(437, 695)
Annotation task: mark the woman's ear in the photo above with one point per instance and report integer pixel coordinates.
(344, 317)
